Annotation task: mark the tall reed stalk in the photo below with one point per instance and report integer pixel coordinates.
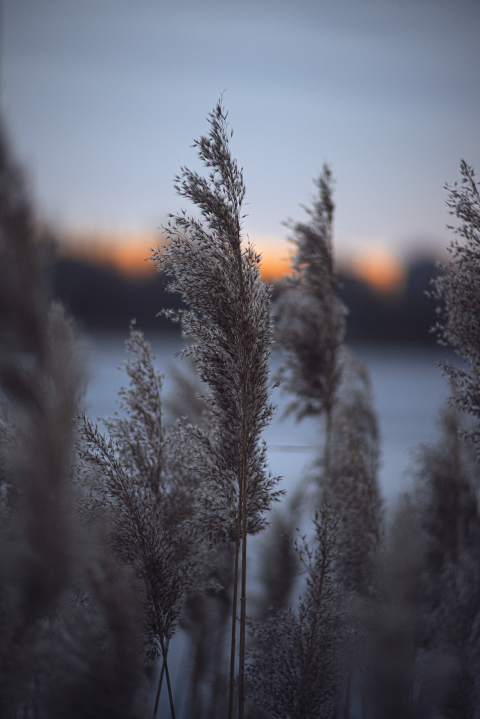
(457, 291)
(311, 324)
(228, 316)
(68, 620)
(147, 499)
(325, 381)
(39, 385)
(295, 669)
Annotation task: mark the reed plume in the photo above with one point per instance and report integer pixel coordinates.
(423, 658)
(351, 488)
(229, 319)
(446, 497)
(147, 498)
(459, 296)
(325, 379)
(391, 659)
(40, 381)
(295, 670)
(279, 565)
(311, 318)
(43, 561)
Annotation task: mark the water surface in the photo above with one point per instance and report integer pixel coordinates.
(408, 390)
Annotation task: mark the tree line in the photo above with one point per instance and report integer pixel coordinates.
(103, 298)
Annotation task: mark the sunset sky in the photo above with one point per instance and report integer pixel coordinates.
(102, 99)
(129, 253)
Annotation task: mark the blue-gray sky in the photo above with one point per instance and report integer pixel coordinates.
(103, 98)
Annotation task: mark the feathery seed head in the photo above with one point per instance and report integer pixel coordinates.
(228, 317)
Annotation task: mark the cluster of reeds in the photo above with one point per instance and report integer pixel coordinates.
(69, 618)
(113, 541)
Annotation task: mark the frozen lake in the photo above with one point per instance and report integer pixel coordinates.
(408, 389)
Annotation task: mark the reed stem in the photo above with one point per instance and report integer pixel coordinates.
(231, 686)
(160, 682)
(217, 681)
(167, 676)
(242, 507)
(328, 439)
(243, 597)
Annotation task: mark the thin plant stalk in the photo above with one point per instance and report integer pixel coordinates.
(231, 684)
(160, 682)
(159, 689)
(243, 495)
(217, 668)
(167, 676)
(328, 438)
(243, 601)
(228, 315)
(241, 535)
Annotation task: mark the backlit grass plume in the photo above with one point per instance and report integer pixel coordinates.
(311, 324)
(58, 657)
(228, 316)
(446, 494)
(459, 293)
(351, 488)
(311, 317)
(295, 671)
(39, 386)
(146, 497)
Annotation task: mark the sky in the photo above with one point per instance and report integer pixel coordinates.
(103, 98)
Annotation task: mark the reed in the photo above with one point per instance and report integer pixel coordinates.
(137, 481)
(457, 292)
(446, 501)
(295, 669)
(311, 318)
(325, 380)
(229, 320)
(68, 624)
(40, 381)
(351, 488)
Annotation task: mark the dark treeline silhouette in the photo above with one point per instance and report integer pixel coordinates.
(406, 316)
(104, 298)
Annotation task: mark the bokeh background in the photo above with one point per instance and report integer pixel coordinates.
(102, 99)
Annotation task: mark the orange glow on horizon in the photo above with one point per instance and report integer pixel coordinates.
(380, 269)
(129, 253)
(273, 266)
